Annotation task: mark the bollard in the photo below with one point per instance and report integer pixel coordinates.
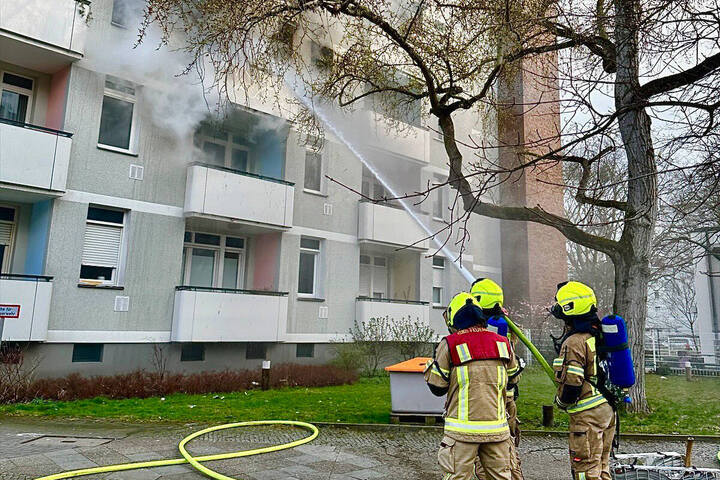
(265, 377)
(548, 414)
(688, 451)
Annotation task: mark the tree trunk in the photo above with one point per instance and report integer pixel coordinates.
(632, 260)
(631, 282)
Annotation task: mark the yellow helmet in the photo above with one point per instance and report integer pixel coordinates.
(573, 298)
(487, 293)
(463, 312)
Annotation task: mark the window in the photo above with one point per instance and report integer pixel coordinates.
(305, 350)
(225, 149)
(102, 246)
(256, 351)
(214, 261)
(438, 263)
(192, 352)
(439, 199)
(87, 352)
(117, 119)
(437, 296)
(125, 10)
(373, 277)
(16, 96)
(321, 56)
(371, 186)
(7, 234)
(308, 270)
(313, 170)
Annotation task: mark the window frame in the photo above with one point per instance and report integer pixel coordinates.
(119, 270)
(6, 260)
(218, 260)
(441, 287)
(440, 197)
(298, 347)
(19, 90)
(199, 345)
(316, 267)
(373, 266)
(229, 145)
(441, 302)
(321, 171)
(118, 95)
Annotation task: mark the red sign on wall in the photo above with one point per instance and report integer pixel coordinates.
(9, 311)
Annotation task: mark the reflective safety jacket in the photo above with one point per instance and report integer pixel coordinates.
(575, 369)
(471, 365)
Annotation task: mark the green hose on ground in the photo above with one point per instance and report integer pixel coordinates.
(196, 462)
(541, 360)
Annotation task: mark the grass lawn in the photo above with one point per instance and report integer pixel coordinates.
(678, 406)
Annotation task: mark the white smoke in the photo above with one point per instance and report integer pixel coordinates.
(175, 100)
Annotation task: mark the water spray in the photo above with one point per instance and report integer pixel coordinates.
(469, 277)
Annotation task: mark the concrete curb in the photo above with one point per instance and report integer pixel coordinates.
(534, 433)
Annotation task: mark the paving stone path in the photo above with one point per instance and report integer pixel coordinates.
(30, 448)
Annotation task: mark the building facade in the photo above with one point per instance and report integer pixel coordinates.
(225, 246)
(707, 297)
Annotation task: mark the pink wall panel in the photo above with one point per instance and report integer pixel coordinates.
(266, 253)
(58, 99)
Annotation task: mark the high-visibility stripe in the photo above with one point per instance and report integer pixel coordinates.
(566, 300)
(487, 427)
(512, 371)
(576, 371)
(463, 352)
(501, 387)
(494, 294)
(591, 343)
(503, 350)
(464, 386)
(581, 476)
(558, 362)
(438, 371)
(587, 404)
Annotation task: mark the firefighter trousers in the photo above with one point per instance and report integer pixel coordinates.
(591, 437)
(515, 465)
(457, 459)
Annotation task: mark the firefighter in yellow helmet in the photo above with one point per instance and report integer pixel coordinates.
(592, 419)
(470, 366)
(490, 297)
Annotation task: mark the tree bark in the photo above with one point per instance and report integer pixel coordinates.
(632, 260)
(631, 282)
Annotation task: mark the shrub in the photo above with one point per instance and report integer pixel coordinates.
(143, 384)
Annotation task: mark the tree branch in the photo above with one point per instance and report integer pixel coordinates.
(681, 79)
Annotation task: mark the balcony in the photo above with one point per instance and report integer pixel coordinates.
(367, 308)
(234, 196)
(43, 35)
(26, 298)
(34, 157)
(224, 315)
(385, 225)
(410, 142)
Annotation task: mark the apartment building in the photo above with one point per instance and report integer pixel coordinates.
(707, 297)
(225, 246)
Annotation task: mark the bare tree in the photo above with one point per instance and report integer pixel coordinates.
(676, 296)
(636, 77)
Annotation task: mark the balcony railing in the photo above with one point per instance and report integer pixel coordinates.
(30, 295)
(34, 156)
(367, 308)
(234, 195)
(205, 314)
(387, 225)
(58, 24)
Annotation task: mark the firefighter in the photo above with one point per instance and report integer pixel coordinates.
(592, 419)
(490, 297)
(470, 366)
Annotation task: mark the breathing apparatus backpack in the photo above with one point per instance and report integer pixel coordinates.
(614, 347)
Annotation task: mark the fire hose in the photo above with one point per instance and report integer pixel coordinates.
(197, 462)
